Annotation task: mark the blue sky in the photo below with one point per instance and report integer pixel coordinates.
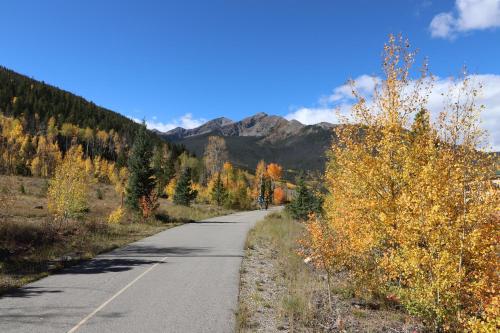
(182, 62)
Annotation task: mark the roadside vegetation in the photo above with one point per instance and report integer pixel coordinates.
(405, 237)
(411, 213)
(280, 292)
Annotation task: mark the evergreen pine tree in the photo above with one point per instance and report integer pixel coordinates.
(141, 181)
(184, 193)
(163, 167)
(219, 192)
(304, 202)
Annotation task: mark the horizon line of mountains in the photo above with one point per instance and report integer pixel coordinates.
(294, 145)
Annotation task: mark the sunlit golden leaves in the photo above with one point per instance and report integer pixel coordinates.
(411, 208)
(68, 190)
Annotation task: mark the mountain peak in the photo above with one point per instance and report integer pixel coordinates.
(270, 127)
(262, 136)
(221, 121)
(260, 115)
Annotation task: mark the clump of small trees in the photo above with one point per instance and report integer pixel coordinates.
(411, 213)
(68, 189)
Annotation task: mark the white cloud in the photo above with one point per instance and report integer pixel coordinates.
(342, 100)
(186, 121)
(311, 116)
(442, 25)
(468, 15)
(365, 84)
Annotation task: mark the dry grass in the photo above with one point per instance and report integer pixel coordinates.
(195, 212)
(297, 292)
(32, 244)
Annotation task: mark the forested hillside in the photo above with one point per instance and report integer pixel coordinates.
(36, 102)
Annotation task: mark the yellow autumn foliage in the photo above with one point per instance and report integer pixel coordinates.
(411, 210)
(116, 215)
(170, 188)
(68, 189)
(119, 179)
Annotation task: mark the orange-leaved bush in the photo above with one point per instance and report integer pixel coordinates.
(279, 196)
(148, 204)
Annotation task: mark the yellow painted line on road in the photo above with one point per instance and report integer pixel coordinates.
(84, 320)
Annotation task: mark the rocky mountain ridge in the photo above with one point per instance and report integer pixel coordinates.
(273, 138)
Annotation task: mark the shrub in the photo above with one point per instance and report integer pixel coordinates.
(279, 196)
(116, 216)
(21, 236)
(149, 204)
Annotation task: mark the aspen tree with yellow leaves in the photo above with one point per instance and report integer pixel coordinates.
(68, 190)
(11, 135)
(46, 158)
(119, 179)
(170, 188)
(411, 212)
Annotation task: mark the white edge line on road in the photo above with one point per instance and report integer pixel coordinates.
(84, 320)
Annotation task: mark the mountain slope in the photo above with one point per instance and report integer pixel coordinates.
(36, 102)
(272, 138)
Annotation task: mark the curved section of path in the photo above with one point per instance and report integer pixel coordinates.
(184, 279)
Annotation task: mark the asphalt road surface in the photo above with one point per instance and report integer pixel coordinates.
(185, 279)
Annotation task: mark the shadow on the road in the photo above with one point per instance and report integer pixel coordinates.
(94, 266)
(57, 316)
(29, 292)
(104, 265)
(173, 252)
(210, 256)
(213, 222)
(146, 250)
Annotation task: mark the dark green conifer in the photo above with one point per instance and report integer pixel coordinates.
(219, 192)
(141, 180)
(304, 201)
(184, 193)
